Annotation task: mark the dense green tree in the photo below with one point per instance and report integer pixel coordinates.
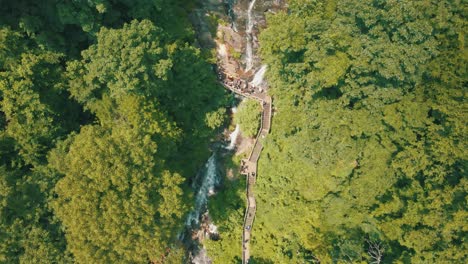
(125, 173)
(116, 201)
(28, 233)
(70, 26)
(248, 117)
(216, 118)
(227, 210)
(151, 102)
(368, 141)
(33, 106)
(141, 60)
(34, 99)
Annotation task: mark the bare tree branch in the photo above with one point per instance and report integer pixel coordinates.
(375, 251)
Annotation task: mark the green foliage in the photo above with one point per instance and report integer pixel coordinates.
(368, 141)
(216, 119)
(69, 27)
(132, 205)
(367, 138)
(235, 54)
(227, 212)
(33, 105)
(34, 102)
(146, 102)
(213, 20)
(167, 81)
(175, 256)
(28, 233)
(140, 91)
(248, 117)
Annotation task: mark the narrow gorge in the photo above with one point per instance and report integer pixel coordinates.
(240, 71)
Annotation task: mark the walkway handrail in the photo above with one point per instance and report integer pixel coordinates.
(264, 101)
(269, 114)
(245, 219)
(241, 93)
(259, 134)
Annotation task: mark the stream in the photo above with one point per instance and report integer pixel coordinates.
(249, 37)
(207, 180)
(250, 13)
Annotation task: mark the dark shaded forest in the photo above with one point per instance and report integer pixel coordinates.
(106, 111)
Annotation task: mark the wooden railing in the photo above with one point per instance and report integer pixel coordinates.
(249, 166)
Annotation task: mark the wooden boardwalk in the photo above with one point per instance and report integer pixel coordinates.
(249, 166)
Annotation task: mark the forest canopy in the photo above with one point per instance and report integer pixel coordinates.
(108, 107)
(97, 124)
(368, 144)
(248, 117)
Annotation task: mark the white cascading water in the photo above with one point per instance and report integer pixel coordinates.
(222, 51)
(213, 229)
(248, 31)
(258, 77)
(249, 59)
(233, 137)
(202, 257)
(209, 181)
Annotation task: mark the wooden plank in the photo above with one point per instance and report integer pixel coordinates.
(249, 166)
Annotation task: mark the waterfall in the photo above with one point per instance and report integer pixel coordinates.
(233, 137)
(222, 51)
(250, 22)
(208, 182)
(213, 229)
(258, 77)
(249, 60)
(204, 186)
(248, 31)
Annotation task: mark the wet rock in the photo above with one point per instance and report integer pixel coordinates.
(229, 46)
(204, 37)
(201, 257)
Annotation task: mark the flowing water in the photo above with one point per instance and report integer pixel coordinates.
(250, 12)
(248, 33)
(208, 182)
(204, 185)
(258, 77)
(233, 137)
(222, 50)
